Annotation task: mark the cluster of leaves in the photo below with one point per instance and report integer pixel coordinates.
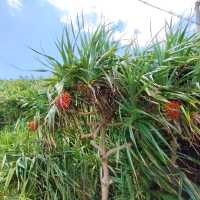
(127, 93)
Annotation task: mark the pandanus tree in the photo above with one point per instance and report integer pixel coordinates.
(88, 61)
(145, 102)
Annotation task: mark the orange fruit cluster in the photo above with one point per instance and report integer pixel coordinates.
(173, 109)
(63, 101)
(33, 125)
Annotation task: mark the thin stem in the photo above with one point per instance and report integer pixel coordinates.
(94, 134)
(116, 149)
(97, 147)
(105, 179)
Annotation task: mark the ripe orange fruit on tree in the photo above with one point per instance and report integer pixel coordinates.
(63, 101)
(173, 109)
(33, 125)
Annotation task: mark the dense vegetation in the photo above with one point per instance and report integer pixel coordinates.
(110, 123)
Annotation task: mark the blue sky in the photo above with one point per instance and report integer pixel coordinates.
(38, 23)
(37, 26)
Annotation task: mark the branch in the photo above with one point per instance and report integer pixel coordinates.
(87, 113)
(116, 149)
(110, 125)
(93, 135)
(85, 136)
(82, 113)
(96, 146)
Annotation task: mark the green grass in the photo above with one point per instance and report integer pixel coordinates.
(14, 143)
(20, 99)
(18, 141)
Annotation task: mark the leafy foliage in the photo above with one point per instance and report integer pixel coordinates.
(147, 98)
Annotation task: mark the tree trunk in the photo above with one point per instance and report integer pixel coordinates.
(105, 182)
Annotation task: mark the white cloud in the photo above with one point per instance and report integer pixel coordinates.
(136, 15)
(15, 4)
